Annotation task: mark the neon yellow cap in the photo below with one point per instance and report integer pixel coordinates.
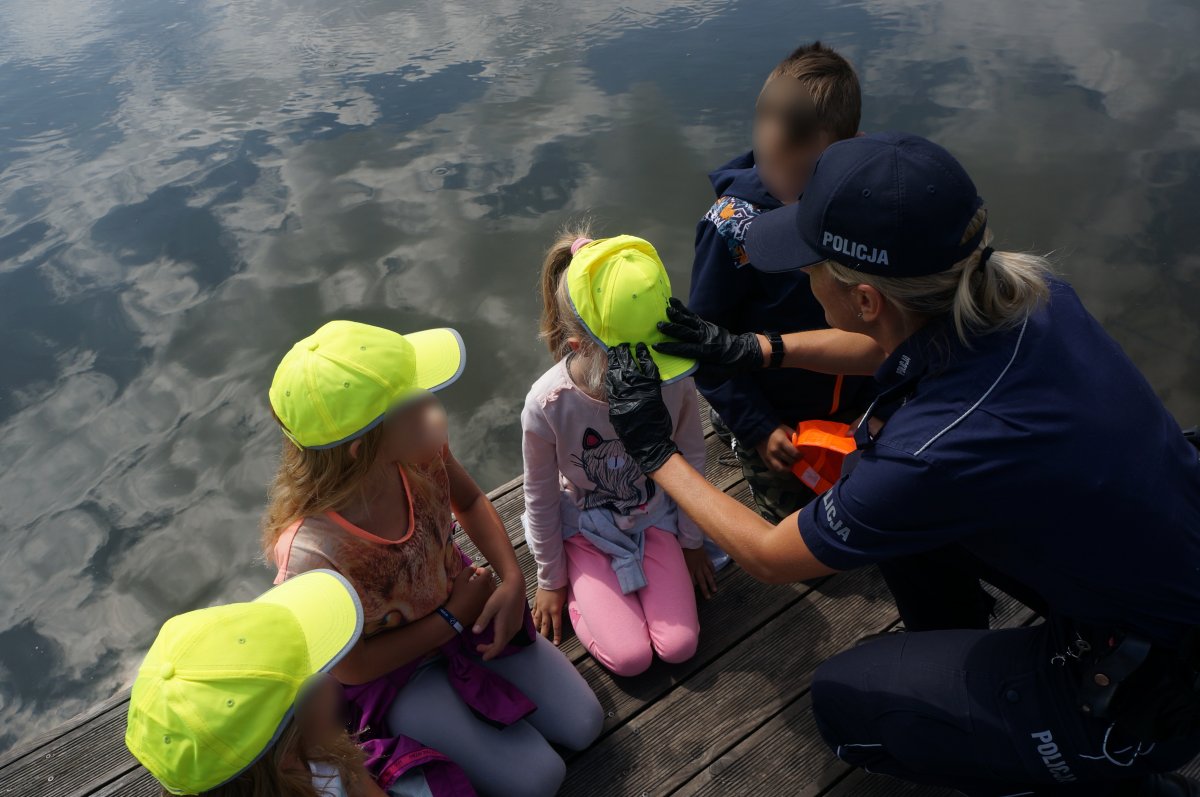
(219, 685)
(620, 290)
(342, 380)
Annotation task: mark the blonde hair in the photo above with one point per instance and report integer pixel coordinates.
(559, 322)
(311, 482)
(998, 295)
(276, 773)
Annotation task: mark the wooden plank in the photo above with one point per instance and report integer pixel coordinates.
(747, 768)
(786, 754)
(863, 784)
(705, 419)
(136, 783)
(81, 760)
(669, 742)
(31, 746)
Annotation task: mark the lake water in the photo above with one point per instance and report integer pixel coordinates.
(188, 186)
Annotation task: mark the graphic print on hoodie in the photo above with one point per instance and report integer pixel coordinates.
(620, 485)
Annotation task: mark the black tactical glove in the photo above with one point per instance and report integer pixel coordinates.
(721, 354)
(636, 408)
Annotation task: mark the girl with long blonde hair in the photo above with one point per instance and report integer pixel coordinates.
(449, 673)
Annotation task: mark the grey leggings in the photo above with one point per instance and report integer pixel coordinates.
(517, 760)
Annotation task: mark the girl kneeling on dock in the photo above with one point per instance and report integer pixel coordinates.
(608, 544)
(449, 674)
(236, 700)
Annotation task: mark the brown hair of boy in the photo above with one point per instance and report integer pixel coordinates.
(831, 83)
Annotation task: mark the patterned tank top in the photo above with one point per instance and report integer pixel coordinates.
(398, 581)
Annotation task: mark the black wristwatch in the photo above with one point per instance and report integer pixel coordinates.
(777, 350)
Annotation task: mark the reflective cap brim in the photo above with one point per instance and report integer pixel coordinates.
(441, 357)
(327, 610)
(670, 367)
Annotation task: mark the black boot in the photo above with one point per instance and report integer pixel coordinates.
(1170, 785)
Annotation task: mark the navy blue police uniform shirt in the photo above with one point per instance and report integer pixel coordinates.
(1043, 451)
(728, 291)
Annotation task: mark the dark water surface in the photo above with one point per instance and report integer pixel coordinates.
(188, 186)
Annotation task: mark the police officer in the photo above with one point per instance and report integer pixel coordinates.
(1013, 439)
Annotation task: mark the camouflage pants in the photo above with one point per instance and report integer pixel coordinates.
(776, 495)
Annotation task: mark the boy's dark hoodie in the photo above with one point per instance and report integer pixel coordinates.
(730, 292)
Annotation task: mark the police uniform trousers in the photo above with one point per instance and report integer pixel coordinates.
(990, 713)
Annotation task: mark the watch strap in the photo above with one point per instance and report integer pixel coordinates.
(777, 350)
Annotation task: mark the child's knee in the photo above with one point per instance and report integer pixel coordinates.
(539, 773)
(677, 645)
(586, 723)
(629, 661)
(525, 763)
(625, 650)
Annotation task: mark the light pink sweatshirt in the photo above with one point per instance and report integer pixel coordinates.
(570, 447)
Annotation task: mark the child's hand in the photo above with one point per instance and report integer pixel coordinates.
(506, 608)
(701, 570)
(473, 588)
(547, 612)
(777, 450)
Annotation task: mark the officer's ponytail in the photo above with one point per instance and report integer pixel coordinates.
(981, 297)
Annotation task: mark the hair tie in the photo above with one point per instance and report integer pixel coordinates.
(984, 255)
(579, 243)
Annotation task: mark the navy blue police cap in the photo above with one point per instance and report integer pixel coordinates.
(889, 204)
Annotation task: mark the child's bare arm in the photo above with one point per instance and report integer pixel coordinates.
(381, 653)
(378, 655)
(482, 524)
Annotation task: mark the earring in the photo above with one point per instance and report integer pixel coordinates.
(860, 315)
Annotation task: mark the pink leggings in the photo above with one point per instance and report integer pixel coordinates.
(623, 632)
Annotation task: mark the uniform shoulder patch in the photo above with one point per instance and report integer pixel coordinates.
(731, 215)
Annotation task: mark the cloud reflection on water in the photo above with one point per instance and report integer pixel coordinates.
(194, 185)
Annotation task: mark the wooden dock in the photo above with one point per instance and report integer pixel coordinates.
(734, 720)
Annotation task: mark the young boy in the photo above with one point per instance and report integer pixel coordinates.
(809, 101)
